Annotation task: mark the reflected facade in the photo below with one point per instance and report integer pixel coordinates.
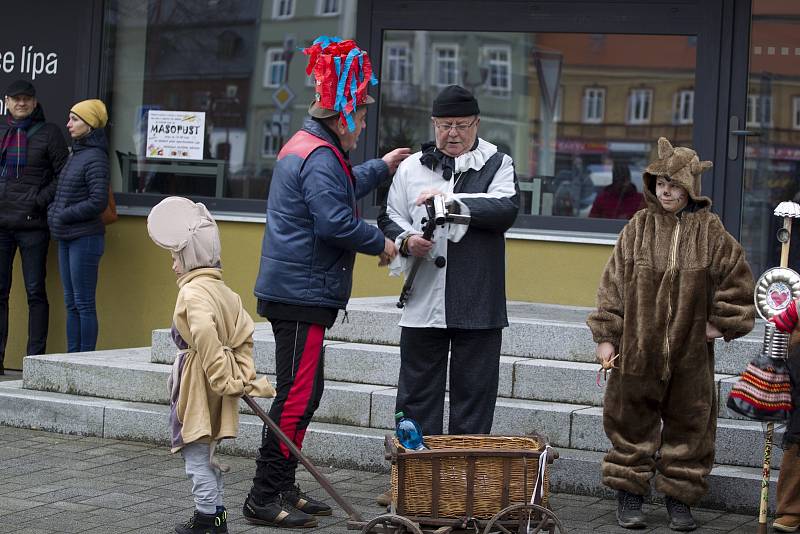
(578, 113)
(772, 149)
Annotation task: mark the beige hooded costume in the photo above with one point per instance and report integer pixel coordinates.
(669, 274)
(217, 368)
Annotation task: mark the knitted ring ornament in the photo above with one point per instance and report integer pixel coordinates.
(342, 73)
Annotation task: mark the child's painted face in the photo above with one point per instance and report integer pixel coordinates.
(673, 197)
(176, 266)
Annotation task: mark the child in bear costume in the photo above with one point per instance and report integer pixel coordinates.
(675, 281)
(214, 366)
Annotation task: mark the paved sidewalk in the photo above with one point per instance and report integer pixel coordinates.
(52, 483)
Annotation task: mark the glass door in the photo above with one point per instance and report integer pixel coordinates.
(771, 129)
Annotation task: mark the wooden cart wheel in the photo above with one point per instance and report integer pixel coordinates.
(391, 524)
(514, 520)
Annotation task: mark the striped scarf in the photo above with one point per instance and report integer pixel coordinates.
(14, 147)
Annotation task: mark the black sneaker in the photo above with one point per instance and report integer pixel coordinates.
(629, 510)
(304, 503)
(680, 515)
(199, 523)
(276, 513)
(221, 520)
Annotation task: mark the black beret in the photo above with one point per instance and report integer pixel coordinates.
(455, 101)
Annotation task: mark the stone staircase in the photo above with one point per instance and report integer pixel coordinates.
(547, 386)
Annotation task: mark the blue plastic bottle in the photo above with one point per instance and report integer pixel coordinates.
(408, 433)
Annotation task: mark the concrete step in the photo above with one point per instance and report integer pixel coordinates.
(535, 331)
(130, 376)
(520, 377)
(731, 488)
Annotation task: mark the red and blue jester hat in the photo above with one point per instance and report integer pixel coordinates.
(342, 72)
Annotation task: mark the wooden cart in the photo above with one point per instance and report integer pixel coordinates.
(461, 484)
(467, 484)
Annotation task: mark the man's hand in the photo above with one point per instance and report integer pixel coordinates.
(388, 254)
(418, 246)
(712, 332)
(425, 195)
(395, 157)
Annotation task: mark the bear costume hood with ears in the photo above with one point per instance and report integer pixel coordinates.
(186, 229)
(680, 165)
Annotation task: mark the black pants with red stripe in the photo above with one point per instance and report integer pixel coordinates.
(299, 365)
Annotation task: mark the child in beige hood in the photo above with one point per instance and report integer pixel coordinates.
(214, 366)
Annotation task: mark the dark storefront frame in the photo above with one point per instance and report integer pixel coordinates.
(720, 91)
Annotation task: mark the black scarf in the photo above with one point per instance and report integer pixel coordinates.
(432, 156)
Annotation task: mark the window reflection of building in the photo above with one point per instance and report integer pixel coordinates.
(594, 100)
(275, 68)
(684, 107)
(282, 9)
(445, 65)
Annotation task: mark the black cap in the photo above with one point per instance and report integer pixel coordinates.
(455, 101)
(21, 87)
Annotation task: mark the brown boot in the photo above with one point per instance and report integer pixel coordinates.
(384, 499)
(787, 523)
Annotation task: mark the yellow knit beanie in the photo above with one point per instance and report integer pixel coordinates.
(92, 112)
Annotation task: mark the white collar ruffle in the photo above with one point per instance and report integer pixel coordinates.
(475, 159)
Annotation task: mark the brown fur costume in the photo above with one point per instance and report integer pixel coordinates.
(668, 275)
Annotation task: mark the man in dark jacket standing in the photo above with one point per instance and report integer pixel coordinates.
(32, 153)
(311, 238)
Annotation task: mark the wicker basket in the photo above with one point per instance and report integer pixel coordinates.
(465, 476)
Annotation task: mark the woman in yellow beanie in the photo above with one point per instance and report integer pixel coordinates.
(74, 220)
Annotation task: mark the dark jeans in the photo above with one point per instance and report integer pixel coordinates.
(299, 365)
(78, 262)
(474, 375)
(32, 246)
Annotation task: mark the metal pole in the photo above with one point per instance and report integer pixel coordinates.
(324, 482)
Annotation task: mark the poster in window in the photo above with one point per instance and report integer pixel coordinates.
(175, 134)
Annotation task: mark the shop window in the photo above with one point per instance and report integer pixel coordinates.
(593, 105)
(684, 107)
(445, 65)
(398, 63)
(564, 120)
(282, 9)
(205, 63)
(640, 104)
(498, 63)
(274, 67)
(328, 8)
(759, 111)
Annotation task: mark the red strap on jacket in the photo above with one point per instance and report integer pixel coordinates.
(304, 143)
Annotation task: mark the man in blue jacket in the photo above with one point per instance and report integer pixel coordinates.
(311, 238)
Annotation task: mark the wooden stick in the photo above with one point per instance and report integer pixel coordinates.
(324, 482)
(764, 499)
(763, 504)
(787, 225)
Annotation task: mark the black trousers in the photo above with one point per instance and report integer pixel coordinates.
(32, 245)
(474, 375)
(299, 365)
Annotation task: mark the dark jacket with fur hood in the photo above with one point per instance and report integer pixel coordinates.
(668, 275)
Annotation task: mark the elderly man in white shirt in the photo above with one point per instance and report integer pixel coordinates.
(458, 306)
